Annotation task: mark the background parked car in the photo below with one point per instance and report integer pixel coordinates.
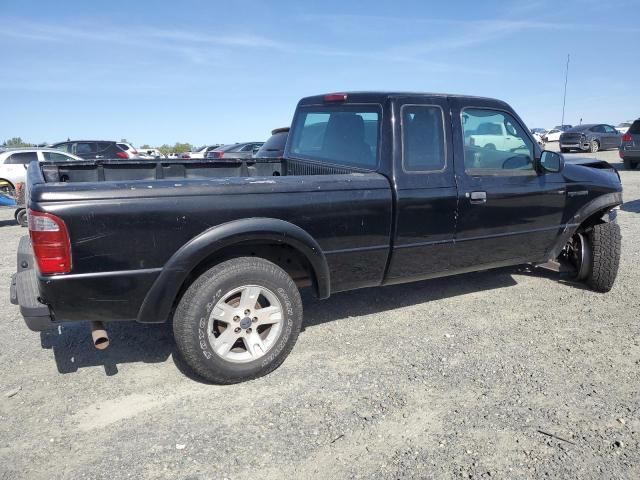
(590, 137)
(14, 162)
(274, 147)
(92, 149)
(236, 150)
(624, 126)
(630, 146)
(553, 135)
(129, 149)
(200, 152)
(150, 153)
(496, 136)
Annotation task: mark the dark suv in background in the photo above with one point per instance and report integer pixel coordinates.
(590, 137)
(630, 146)
(93, 149)
(274, 147)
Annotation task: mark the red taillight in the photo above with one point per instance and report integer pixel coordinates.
(122, 155)
(335, 97)
(627, 137)
(50, 241)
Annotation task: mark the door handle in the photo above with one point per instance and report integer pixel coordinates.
(99, 156)
(476, 198)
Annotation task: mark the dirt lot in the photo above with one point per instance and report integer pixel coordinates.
(507, 374)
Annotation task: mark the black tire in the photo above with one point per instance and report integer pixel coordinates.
(605, 240)
(594, 146)
(565, 150)
(21, 217)
(629, 165)
(190, 320)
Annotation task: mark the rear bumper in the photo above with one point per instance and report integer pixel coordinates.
(576, 145)
(24, 291)
(630, 154)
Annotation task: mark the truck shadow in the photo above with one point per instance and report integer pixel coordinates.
(8, 223)
(129, 342)
(632, 206)
(133, 342)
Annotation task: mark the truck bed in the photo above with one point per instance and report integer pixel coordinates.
(177, 169)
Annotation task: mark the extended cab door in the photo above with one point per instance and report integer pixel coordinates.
(507, 212)
(426, 194)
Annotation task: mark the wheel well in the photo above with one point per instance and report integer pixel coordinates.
(8, 181)
(594, 219)
(286, 257)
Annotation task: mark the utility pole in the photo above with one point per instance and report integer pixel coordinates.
(564, 98)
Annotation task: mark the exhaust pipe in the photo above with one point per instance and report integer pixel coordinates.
(99, 335)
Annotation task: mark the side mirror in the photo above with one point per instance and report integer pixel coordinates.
(552, 162)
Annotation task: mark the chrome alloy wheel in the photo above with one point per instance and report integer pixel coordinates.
(245, 323)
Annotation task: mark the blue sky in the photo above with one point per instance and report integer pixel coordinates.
(226, 71)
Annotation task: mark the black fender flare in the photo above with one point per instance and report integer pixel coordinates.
(158, 302)
(607, 201)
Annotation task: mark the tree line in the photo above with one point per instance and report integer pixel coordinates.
(166, 149)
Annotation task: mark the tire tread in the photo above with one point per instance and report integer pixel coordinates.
(606, 243)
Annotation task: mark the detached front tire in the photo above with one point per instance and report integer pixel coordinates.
(596, 255)
(238, 321)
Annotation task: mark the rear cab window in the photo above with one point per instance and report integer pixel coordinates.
(338, 134)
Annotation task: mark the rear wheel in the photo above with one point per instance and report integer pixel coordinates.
(238, 321)
(594, 146)
(629, 165)
(595, 254)
(21, 217)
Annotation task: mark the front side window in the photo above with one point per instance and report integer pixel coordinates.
(423, 147)
(344, 134)
(495, 144)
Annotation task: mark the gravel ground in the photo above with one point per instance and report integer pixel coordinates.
(504, 374)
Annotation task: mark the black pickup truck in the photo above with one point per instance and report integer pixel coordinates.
(373, 189)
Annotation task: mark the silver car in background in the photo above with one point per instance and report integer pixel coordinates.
(590, 137)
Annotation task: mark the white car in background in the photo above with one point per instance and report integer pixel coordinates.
(200, 152)
(624, 127)
(553, 135)
(130, 149)
(150, 153)
(496, 136)
(14, 162)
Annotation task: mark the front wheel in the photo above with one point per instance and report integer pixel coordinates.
(238, 321)
(596, 255)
